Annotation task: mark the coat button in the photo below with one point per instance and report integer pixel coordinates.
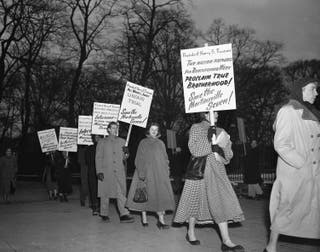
(312, 149)
(314, 162)
(311, 136)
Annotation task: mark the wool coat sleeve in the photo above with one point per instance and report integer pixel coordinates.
(283, 139)
(198, 142)
(99, 157)
(140, 160)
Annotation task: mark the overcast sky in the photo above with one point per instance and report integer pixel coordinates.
(295, 23)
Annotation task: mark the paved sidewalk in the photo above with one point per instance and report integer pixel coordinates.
(33, 223)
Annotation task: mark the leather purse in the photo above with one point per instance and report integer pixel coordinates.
(140, 195)
(195, 168)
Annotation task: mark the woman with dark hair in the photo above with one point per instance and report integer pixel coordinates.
(152, 170)
(294, 201)
(208, 196)
(8, 170)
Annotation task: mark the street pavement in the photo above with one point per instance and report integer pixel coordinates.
(32, 223)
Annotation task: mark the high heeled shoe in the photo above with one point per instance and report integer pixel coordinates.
(265, 250)
(195, 242)
(144, 224)
(237, 248)
(161, 225)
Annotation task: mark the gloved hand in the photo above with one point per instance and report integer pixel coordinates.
(125, 150)
(100, 176)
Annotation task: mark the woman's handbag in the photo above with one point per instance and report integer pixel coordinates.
(195, 168)
(140, 195)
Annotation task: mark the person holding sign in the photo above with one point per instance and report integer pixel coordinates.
(110, 154)
(152, 169)
(208, 195)
(64, 175)
(294, 200)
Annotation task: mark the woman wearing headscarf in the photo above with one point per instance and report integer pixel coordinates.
(295, 196)
(152, 169)
(208, 196)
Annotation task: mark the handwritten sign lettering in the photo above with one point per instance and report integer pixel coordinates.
(68, 139)
(208, 80)
(135, 105)
(84, 130)
(48, 140)
(103, 114)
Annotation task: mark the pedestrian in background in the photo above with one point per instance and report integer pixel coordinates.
(110, 154)
(208, 196)
(152, 169)
(252, 172)
(8, 172)
(295, 201)
(90, 154)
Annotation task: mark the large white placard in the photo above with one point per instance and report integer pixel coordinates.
(135, 105)
(48, 140)
(103, 114)
(84, 130)
(208, 79)
(68, 139)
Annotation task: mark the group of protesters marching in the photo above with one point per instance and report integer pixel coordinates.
(207, 195)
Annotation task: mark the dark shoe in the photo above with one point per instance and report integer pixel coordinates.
(126, 218)
(95, 212)
(237, 248)
(105, 218)
(162, 226)
(265, 250)
(144, 224)
(195, 242)
(61, 198)
(82, 203)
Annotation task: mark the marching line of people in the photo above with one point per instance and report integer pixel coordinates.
(207, 195)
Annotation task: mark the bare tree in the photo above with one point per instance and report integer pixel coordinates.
(88, 20)
(39, 22)
(11, 18)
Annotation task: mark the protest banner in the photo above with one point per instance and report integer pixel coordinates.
(135, 105)
(84, 130)
(103, 114)
(48, 140)
(208, 79)
(68, 139)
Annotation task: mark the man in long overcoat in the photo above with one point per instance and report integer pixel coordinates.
(110, 155)
(295, 201)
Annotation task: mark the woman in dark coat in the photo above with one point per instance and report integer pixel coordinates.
(252, 173)
(49, 175)
(8, 170)
(152, 168)
(210, 198)
(64, 175)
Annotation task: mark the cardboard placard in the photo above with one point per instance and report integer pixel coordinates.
(103, 114)
(84, 130)
(135, 105)
(48, 140)
(68, 139)
(208, 79)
